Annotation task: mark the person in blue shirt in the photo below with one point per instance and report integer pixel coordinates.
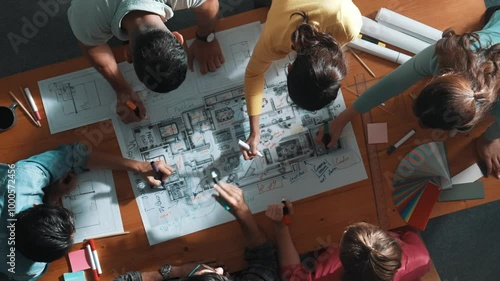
(34, 229)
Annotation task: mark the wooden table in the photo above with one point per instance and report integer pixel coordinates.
(319, 219)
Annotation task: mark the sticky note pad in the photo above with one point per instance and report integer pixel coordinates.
(377, 133)
(464, 191)
(79, 260)
(74, 276)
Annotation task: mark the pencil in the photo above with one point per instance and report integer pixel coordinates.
(362, 63)
(37, 123)
(108, 235)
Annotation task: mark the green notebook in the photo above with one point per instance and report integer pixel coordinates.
(463, 191)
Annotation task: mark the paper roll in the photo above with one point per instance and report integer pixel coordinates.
(408, 26)
(378, 51)
(393, 37)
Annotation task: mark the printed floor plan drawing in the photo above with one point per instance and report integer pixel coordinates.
(206, 137)
(94, 204)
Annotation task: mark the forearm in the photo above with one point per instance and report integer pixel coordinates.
(206, 17)
(102, 59)
(347, 115)
(254, 236)
(287, 254)
(254, 124)
(103, 160)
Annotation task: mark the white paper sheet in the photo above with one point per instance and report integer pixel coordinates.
(94, 205)
(379, 51)
(471, 174)
(392, 36)
(408, 26)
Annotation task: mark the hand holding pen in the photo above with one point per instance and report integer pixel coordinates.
(155, 172)
(280, 213)
(130, 108)
(233, 197)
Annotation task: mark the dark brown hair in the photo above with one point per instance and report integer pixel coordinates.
(369, 253)
(467, 84)
(314, 79)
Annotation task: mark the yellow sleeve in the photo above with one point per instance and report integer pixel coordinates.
(254, 77)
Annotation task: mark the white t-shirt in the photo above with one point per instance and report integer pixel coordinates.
(94, 22)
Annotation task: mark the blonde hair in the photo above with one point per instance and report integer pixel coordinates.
(369, 253)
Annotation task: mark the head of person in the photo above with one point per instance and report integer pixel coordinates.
(44, 233)
(466, 87)
(207, 273)
(314, 77)
(368, 253)
(159, 58)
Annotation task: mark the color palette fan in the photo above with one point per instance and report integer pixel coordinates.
(418, 180)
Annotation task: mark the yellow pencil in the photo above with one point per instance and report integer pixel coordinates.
(362, 63)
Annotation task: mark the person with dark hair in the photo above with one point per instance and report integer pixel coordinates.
(260, 254)
(464, 89)
(34, 229)
(159, 58)
(316, 31)
(365, 253)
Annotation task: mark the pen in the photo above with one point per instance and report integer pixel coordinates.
(246, 147)
(286, 213)
(371, 39)
(37, 123)
(400, 142)
(326, 135)
(158, 174)
(215, 178)
(32, 103)
(92, 263)
(95, 256)
(134, 108)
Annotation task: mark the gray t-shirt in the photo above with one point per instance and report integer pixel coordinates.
(94, 22)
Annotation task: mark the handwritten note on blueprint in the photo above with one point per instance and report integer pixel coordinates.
(201, 132)
(94, 205)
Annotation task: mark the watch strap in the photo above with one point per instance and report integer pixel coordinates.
(203, 38)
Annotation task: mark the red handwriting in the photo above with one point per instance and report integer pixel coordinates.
(263, 188)
(339, 161)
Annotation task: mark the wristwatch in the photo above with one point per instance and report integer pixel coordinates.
(165, 271)
(208, 38)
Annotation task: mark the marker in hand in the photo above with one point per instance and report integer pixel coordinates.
(286, 213)
(215, 178)
(158, 174)
(246, 147)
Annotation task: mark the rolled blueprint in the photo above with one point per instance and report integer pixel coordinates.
(393, 37)
(408, 26)
(378, 51)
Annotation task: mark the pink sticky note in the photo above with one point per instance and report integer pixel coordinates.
(377, 133)
(79, 260)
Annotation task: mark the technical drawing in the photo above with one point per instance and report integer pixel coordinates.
(74, 98)
(82, 203)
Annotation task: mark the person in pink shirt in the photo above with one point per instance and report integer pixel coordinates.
(365, 253)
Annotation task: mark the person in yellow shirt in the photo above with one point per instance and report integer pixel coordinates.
(316, 30)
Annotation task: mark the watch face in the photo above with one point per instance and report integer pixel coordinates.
(210, 37)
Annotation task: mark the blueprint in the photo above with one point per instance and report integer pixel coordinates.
(94, 204)
(205, 136)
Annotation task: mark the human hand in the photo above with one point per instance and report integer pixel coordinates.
(275, 212)
(253, 141)
(489, 152)
(151, 176)
(55, 191)
(335, 128)
(233, 196)
(126, 114)
(197, 268)
(208, 54)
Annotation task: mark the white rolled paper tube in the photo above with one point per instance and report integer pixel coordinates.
(408, 26)
(393, 37)
(378, 51)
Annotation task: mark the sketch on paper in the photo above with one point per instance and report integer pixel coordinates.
(94, 204)
(206, 137)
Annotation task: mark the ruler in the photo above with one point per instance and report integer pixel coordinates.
(377, 183)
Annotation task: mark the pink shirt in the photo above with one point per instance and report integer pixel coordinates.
(415, 262)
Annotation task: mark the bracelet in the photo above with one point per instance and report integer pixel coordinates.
(194, 270)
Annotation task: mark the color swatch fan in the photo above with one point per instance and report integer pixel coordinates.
(418, 181)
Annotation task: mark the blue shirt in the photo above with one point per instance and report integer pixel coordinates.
(422, 65)
(22, 183)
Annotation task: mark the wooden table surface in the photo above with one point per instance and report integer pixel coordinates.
(319, 219)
